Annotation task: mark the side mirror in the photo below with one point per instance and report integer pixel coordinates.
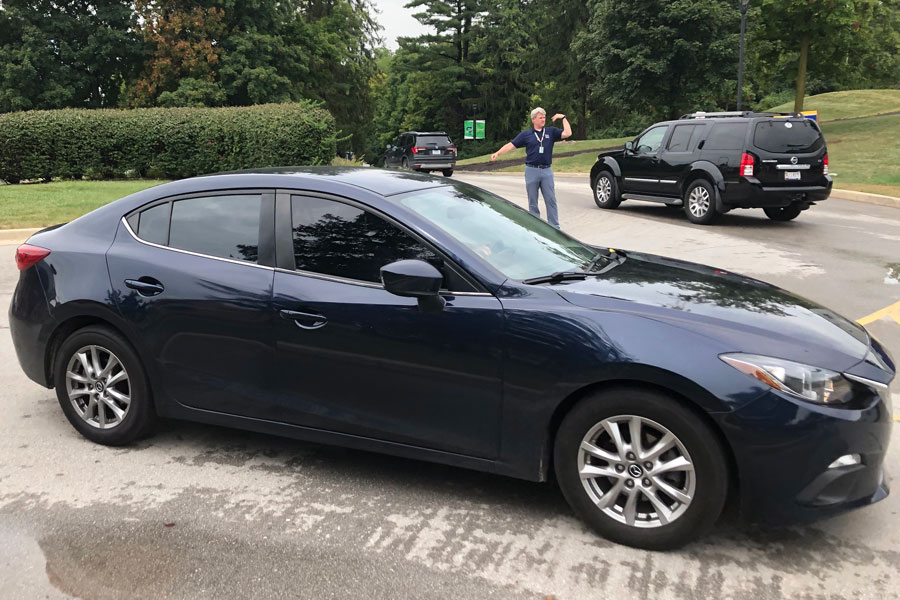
(629, 146)
(414, 279)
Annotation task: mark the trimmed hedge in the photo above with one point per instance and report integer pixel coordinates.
(162, 142)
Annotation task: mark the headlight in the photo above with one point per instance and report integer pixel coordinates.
(812, 384)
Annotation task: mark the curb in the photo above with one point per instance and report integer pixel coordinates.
(836, 193)
(17, 236)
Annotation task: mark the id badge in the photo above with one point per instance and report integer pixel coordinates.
(541, 151)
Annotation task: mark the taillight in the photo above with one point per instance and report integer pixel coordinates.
(417, 149)
(746, 165)
(27, 255)
(825, 167)
(452, 148)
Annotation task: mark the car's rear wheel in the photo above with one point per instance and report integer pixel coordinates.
(640, 468)
(102, 387)
(606, 193)
(404, 163)
(785, 213)
(447, 172)
(700, 202)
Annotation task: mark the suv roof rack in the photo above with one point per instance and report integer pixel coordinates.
(737, 113)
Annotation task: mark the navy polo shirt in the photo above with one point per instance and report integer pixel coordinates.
(529, 138)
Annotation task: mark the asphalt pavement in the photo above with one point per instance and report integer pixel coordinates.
(204, 512)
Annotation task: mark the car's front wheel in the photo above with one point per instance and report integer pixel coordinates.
(606, 193)
(785, 213)
(700, 202)
(102, 387)
(640, 468)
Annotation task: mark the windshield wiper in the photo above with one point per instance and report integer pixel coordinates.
(558, 277)
(614, 257)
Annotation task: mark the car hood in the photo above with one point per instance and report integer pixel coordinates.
(745, 314)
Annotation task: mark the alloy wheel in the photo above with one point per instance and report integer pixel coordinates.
(98, 386)
(604, 190)
(698, 201)
(636, 471)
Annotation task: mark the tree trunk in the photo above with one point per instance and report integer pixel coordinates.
(801, 74)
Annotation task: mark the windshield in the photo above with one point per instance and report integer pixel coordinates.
(505, 236)
(782, 136)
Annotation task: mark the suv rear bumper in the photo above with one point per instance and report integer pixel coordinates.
(749, 192)
(436, 163)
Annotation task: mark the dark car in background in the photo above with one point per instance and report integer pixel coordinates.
(711, 163)
(422, 151)
(412, 315)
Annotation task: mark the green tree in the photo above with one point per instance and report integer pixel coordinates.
(66, 53)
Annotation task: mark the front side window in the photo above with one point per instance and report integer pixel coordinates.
(333, 238)
(508, 238)
(650, 141)
(222, 226)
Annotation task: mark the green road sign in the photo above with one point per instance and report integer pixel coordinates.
(469, 130)
(479, 130)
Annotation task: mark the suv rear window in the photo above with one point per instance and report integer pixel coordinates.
(726, 136)
(440, 140)
(783, 136)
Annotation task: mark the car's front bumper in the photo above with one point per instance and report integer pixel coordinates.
(788, 452)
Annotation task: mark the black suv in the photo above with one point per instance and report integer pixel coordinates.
(710, 163)
(422, 151)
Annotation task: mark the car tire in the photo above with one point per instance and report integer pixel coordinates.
(606, 192)
(120, 409)
(785, 213)
(447, 172)
(700, 202)
(671, 507)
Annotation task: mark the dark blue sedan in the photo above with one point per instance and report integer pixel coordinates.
(415, 316)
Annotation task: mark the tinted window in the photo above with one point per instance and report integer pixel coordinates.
(337, 239)
(779, 135)
(153, 225)
(651, 140)
(225, 226)
(726, 136)
(681, 138)
(440, 140)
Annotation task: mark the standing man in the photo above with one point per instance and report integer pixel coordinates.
(538, 142)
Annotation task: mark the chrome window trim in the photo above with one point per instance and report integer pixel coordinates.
(368, 284)
(793, 167)
(181, 251)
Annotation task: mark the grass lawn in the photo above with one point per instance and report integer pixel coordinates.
(864, 154)
(849, 104)
(42, 204)
(559, 147)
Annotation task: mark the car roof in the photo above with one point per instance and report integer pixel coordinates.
(425, 132)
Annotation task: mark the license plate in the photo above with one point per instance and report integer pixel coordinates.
(792, 174)
(435, 151)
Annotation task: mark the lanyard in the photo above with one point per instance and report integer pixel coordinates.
(540, 139)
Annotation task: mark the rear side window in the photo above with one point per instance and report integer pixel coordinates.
(440, 140)
(726, 136)
(223, 226)
(333, 238)
(153, 224)
(683, 138)
(782, 136)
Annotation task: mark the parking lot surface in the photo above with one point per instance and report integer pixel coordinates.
(205, 512)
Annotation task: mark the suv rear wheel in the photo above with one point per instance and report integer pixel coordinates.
(785, 213)
(606, 194)
(700, 202)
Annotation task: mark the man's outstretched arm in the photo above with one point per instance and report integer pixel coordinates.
(507, 148)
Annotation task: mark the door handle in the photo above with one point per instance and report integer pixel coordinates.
(314, 320)
(145, 286)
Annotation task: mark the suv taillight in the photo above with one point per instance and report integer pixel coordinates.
(27, 255)
(825, 165)
(746, 165)
(452, 149)
(417, 149)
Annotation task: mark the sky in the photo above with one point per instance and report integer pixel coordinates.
(396, 21)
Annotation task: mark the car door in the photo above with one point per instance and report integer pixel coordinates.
(640, 166)
(193, 275)
(676, 158)
(354, 358)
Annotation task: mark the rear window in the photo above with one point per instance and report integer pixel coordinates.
(795, 136)
(726, 136)
(440, 140)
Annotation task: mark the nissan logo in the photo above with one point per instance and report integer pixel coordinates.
(793, 160)
(635, 471)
